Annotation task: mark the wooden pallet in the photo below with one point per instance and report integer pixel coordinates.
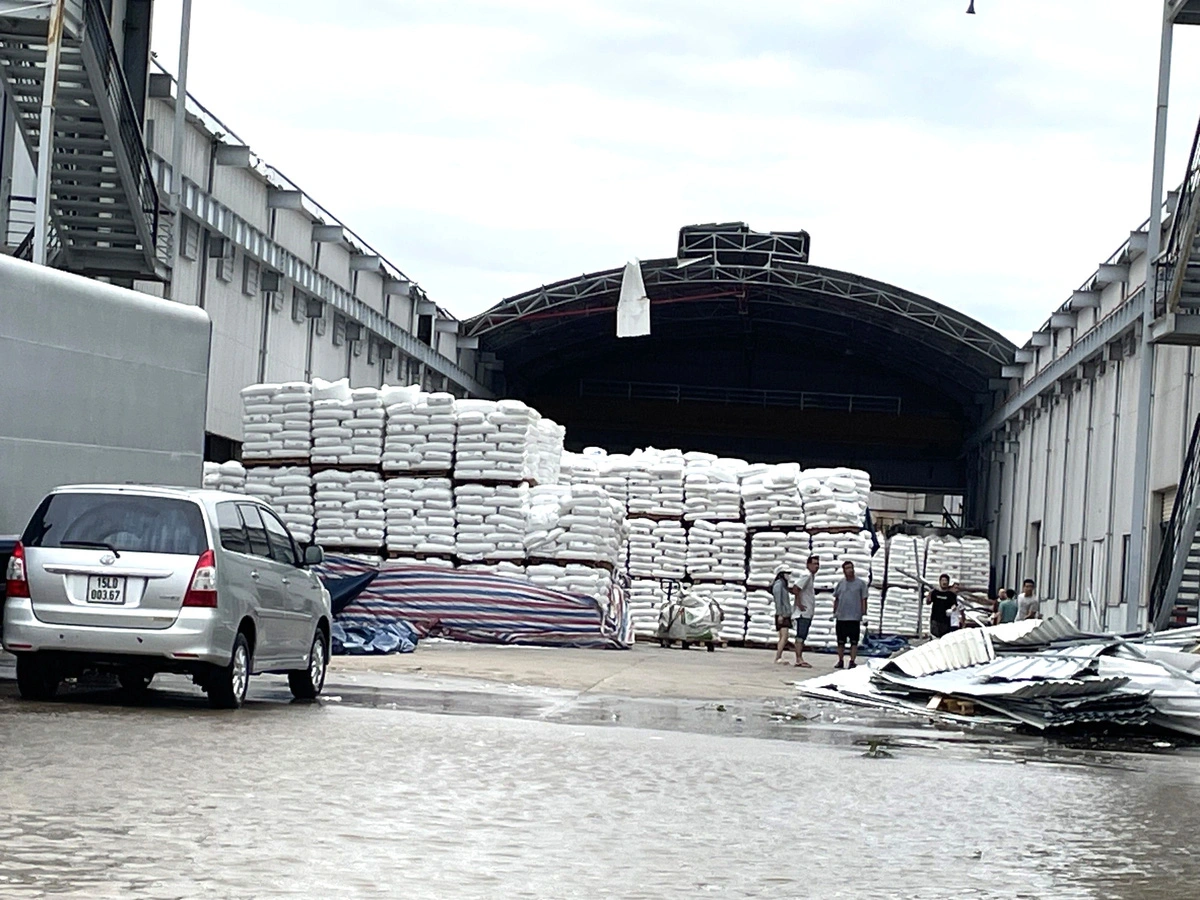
(274, 463)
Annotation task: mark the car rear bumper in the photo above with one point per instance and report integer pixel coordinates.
(196, 636)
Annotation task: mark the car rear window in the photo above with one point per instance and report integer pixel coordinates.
(137, 524)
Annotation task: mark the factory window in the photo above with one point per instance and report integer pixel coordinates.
(249, 276)
(1073, 573)
(1123, 593)
(1019, 573)
(225, 264)
(1051, 588)
(189, 245)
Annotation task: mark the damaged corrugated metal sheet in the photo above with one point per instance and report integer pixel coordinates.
(1034, 632)
(957, 650)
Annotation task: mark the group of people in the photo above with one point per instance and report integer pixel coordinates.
(796, 602)
(948, 607)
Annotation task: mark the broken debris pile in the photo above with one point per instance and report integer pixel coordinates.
(1042, 673)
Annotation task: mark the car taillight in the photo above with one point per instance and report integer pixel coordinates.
(203, 589)
(17, 581)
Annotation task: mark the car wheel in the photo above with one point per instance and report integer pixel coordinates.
(37, 677)
(134, 683)
(306, 684)
(227, 684)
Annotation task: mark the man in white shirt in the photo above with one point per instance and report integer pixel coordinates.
(804, 590)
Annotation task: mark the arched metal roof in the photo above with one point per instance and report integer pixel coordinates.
(746, 311)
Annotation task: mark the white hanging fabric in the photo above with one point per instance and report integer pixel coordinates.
(633, 308)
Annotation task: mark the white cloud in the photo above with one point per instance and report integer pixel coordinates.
(987, 161)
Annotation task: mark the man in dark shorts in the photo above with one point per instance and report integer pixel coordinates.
(942, 600)
(849, 609)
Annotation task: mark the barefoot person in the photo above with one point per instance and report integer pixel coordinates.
(805, 593)
(849, 609)
(781, 592)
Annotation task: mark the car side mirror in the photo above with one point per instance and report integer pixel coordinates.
(313, 555)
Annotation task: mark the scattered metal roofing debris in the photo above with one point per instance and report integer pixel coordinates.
(1044, 674)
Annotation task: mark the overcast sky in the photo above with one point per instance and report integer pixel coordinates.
(987, 161)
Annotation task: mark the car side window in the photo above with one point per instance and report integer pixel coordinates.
(256, 531)
(282, 548)
(231, 528)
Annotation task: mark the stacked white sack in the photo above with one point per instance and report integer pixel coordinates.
(902, 598)
(732, 600)
(822, 635)
(504, 567)
(436, 562)
(976, 567)
(289, 491)
(420, 516)
(717, 551)
(277, 421)
(657, 549)
(573, 578)
(349, 509)
(656, 483)
(771, 496)
(646, 598)
(491, 522)
(760, 623)
(332, 436)
(366, 427)
(227, 476)
(420, 430)
(576, 523)
(834, 498)
(613, 476)
(943, 556)
(771, 549)
(550, 436)
(497, 441)
(711, 488)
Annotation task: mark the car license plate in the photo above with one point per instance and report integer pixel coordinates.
(106, 589)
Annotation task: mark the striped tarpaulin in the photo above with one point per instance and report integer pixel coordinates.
(474, 606)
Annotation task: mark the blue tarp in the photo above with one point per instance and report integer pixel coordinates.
(378, 637)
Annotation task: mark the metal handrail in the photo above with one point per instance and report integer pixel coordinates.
(96, 32)
(1160, 606)
(1172, 263)
(677, 393)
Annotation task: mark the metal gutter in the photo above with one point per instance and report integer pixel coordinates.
(218, 217)
(1112, 327)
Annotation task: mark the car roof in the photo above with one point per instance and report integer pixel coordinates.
(155, 490)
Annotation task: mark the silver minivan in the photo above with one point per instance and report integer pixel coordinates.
(141, 580)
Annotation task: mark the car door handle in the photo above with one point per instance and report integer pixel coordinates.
(254, 575)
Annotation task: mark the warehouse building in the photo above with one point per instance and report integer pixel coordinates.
(1051, 445)
(292, 291)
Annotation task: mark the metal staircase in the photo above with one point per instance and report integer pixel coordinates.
(1175, 591)
(1177, 288)
(104, 204)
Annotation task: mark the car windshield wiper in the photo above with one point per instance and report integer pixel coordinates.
(97, 545)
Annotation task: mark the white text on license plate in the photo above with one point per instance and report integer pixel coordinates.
(105, 589)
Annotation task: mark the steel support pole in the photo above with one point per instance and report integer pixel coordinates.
(45, 160)
(185, 32)
(1135, 587)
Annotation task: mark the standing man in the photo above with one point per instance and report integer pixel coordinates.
(1007, 610)
(1027, 603)
(943, 600)
(849, 609)
(781, 593)
(806, 605)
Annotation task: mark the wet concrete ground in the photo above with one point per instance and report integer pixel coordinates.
(419, 783)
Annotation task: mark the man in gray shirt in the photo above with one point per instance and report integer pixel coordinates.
(849, 608)
(1027, 603)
